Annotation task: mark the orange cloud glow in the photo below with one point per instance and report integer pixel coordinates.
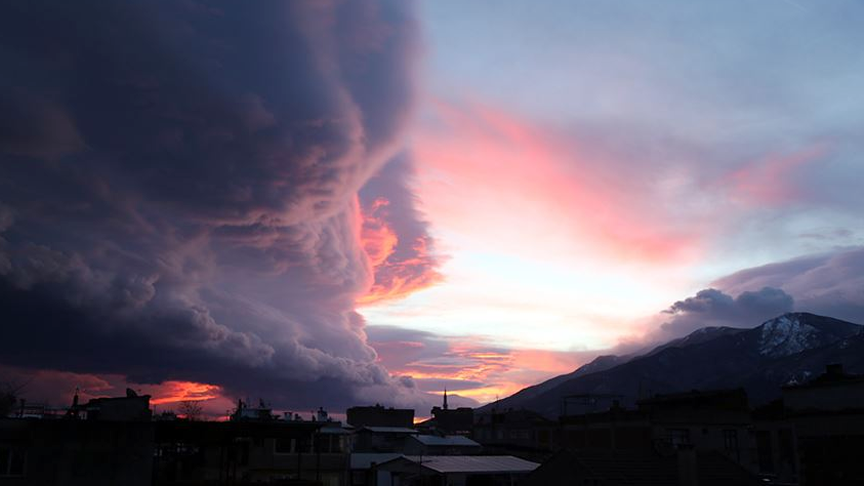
(379, 240)
(182, 391)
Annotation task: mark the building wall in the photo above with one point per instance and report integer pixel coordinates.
(380, 417)
(77, 452)
(825, 397)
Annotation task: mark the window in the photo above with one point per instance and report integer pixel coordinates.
(12, 461)
(764, 451)
(679, 436)
(730, 440)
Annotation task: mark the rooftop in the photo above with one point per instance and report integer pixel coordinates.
(388, 430)
(363, 460)
(474, 464)
(448, 440)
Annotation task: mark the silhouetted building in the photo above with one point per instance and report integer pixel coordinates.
(261, 413)
(775, 444)
(515, 430)
(379, 416)
(827, 417)
(132, 407)
(716, 420)
(664, 426)
(246, 452)
(834, 390)
(114, 445)
(364, 467)
(382, 439)
(683, 467)
(615, 429)
(450, 421)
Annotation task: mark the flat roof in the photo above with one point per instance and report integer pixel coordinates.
(389, 430)
(473, 464)
(448, 440)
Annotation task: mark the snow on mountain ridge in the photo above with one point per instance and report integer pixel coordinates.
(786, 335)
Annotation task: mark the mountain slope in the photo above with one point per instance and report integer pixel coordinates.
(788, 348)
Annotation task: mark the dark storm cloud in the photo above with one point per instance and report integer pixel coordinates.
(830, 283)
(178, 189)
(712, 307)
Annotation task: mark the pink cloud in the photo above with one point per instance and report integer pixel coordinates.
(477, 367)
(524, 185)
(770, 179)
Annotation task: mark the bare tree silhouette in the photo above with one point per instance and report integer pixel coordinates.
(192, 410)
(10, 393)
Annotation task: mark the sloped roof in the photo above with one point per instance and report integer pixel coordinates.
(361, 460)
(473, 464)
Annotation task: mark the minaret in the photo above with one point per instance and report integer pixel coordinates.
(445, 398)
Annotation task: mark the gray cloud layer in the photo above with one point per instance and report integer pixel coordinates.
(712, 307)
(178, 189)
(829, 283)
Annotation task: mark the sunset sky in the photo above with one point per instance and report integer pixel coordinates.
(349, 202)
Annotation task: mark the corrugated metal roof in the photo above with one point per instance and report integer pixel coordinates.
(475, 464)
(449, 440)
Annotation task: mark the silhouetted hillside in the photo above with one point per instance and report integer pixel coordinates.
(787, 349)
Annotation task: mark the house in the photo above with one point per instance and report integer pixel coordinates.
(522, 430)
(459, 421)
(434, 445)
(364, 468)
(713, 420)
(820, 426)
(249, 451)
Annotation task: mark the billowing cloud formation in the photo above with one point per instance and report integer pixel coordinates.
(712, 307)
(179, 189)
(395, 236)
(828, 283)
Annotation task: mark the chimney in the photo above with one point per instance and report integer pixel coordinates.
(687, 470)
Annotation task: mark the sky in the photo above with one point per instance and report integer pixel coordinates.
(355, 202)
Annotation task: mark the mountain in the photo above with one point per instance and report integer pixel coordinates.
(787, 349)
